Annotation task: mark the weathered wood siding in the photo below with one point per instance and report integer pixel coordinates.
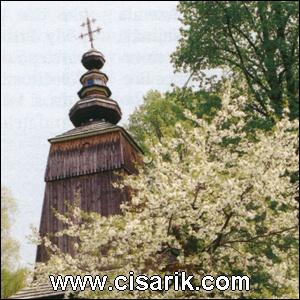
(87, 166)
(84, 156)
(130, 156)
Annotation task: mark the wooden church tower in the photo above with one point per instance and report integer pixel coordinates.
(85, 159)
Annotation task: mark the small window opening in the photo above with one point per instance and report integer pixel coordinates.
(90, 82)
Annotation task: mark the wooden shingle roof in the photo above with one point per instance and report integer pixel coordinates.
(93, 128)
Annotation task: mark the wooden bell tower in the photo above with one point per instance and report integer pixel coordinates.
(84, 159)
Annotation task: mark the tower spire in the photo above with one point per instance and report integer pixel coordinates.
(90, 31)
(95, 104)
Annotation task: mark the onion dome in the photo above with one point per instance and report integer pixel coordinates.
(95, 103)
(93, 59)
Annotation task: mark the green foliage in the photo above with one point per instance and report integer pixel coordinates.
(157, 116)
(256, 39)
(12, 281)
(155, 119)
(9, 247)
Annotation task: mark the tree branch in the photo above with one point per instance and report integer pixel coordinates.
(170, 224)
(271, 233)
(216, 243)
(199, 187)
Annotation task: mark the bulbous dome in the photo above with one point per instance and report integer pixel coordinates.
(93, 59)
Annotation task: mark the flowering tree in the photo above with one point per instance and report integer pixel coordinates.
(210, 201)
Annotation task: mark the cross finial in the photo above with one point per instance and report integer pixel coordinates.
(90, 31)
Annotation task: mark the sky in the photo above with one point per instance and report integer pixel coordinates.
(40, 58)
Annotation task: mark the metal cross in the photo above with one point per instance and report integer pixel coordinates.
(90, 31)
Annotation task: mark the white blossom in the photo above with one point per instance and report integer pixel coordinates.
(206, 209)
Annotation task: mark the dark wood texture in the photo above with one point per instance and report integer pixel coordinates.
(86, 166)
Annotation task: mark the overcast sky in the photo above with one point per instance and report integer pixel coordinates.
(41, 67)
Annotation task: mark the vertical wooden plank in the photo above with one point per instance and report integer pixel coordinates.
(70, 165)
